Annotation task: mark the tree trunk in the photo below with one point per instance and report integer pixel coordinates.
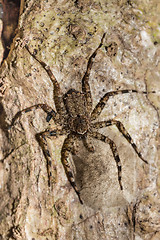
(64, 34)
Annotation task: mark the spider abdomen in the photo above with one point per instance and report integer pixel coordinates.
(79, 124)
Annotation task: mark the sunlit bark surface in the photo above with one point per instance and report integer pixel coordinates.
(64, 34)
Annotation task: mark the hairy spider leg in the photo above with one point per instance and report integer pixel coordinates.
(44, 107)
(87, 142)
(99, 107)
(122, 129)
(58, 96)
(85, 80)
(41, 138)
(113, 147)
(65, 152)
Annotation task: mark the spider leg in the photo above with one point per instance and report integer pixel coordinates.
(87, 142)
(58, 96)
(44, 107)
(99, 107)
(66, 150)
(113, 147)
(122, 129)
(74, 151)
(41, 138)
(85, 80)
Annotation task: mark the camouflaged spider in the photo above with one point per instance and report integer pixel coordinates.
(75, 116)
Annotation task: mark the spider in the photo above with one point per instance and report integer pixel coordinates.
(75, 116)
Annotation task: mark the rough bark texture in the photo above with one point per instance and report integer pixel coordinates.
(64, 34)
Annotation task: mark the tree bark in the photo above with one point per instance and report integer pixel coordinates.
(64, 34)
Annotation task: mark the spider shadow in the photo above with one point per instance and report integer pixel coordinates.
(96, 178)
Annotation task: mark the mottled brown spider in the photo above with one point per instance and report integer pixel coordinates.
(76, 117)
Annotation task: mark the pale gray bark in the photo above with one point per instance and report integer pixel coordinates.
(64, 34)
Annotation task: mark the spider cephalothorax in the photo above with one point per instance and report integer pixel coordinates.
(75, 115)
(78, 117)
